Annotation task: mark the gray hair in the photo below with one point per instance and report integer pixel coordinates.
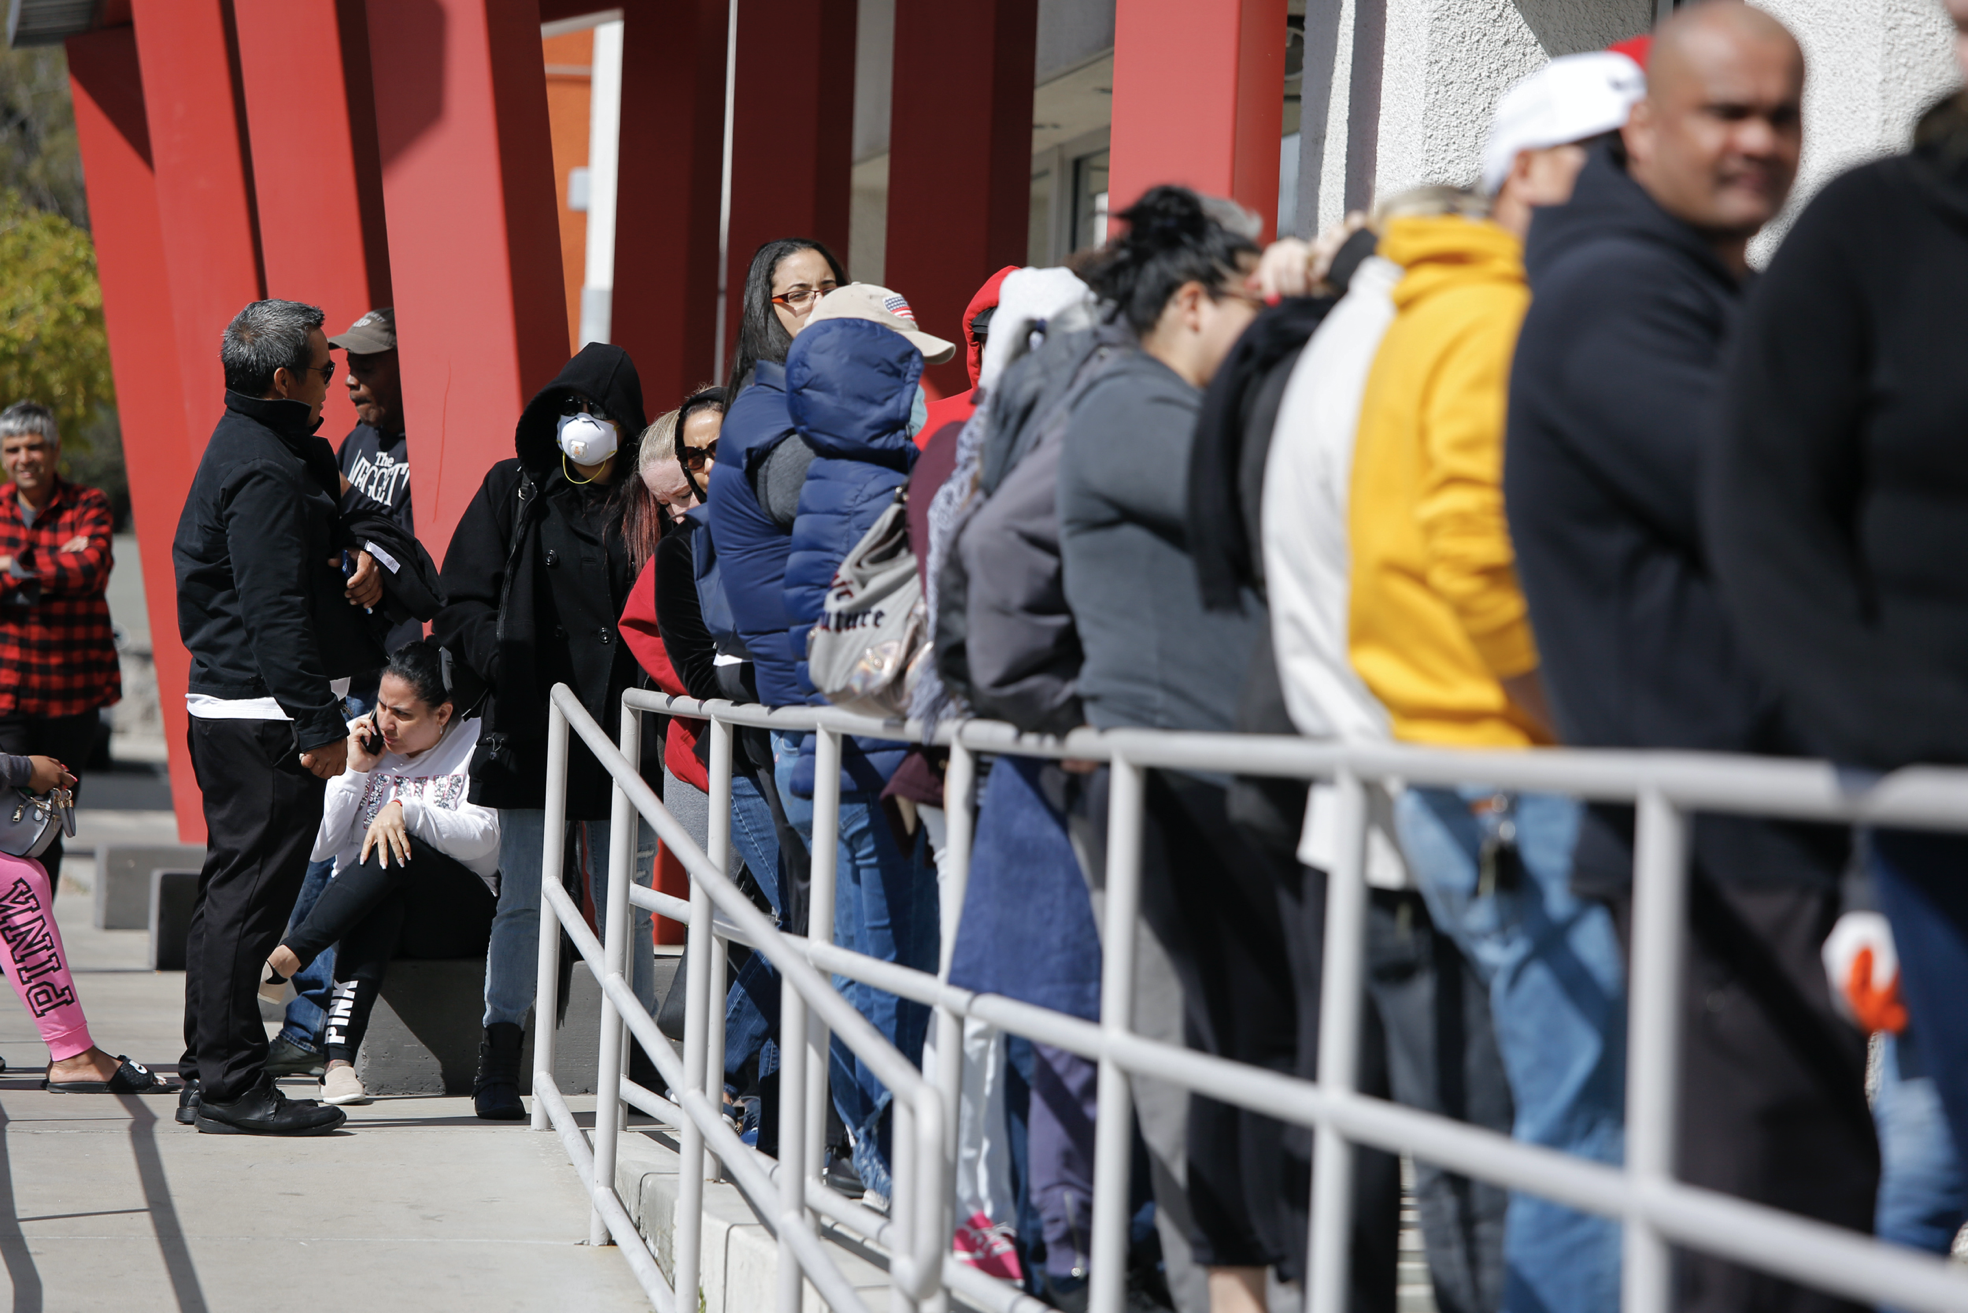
(264, 337)
(29, 417)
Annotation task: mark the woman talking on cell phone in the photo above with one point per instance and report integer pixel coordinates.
(416, 863)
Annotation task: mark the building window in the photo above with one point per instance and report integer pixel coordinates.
(1090, 201)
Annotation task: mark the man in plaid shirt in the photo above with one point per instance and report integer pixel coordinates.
(58, 664)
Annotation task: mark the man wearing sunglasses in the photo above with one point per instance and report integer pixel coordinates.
(270, 621)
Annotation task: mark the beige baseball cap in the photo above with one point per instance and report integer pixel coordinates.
(374, 332)
(880, 306)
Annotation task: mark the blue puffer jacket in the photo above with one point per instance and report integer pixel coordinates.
(752, 549)
(850, 388)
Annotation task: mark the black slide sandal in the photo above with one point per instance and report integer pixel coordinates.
(130, 1078)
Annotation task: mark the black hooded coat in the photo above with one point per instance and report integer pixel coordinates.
(536, 576)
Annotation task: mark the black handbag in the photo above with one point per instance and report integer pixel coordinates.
(36, 820)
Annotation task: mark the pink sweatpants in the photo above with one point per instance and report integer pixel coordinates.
(31, 953)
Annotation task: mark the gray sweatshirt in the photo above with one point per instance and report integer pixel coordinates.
(1154, 657)
(15, 771)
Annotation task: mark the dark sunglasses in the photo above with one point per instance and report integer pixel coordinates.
(696, 458)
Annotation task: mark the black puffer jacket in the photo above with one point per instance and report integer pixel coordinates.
(260, 605)
(536, 576)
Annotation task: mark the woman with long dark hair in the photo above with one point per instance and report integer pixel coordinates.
(787, 279)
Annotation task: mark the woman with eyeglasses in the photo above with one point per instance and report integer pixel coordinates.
(537, 573)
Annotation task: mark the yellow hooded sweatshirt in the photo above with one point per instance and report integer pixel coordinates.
(1436, 618)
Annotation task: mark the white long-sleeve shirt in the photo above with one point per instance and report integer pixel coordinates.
(432, 786)
(1307, 479)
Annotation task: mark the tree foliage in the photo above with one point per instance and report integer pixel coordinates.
(52, 345)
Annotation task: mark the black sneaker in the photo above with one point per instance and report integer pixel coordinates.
(188, 1102)
(286, 1058)
(841, 1176)
(264, 1110)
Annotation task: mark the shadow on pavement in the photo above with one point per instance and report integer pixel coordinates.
(163, 1209)
(21, 1272)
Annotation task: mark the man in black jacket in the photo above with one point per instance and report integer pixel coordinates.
(270, 620)
(537, 574)
(1636, 286)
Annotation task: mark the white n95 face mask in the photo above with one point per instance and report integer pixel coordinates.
(586, 439)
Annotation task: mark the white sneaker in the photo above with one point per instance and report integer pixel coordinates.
(342, 1086)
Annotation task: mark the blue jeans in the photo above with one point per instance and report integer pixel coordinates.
(307, 1011)
(1922, 880)
(1556, 977)
(884, 906)
(751, 1007)
(512, 960)
(1923, 1197)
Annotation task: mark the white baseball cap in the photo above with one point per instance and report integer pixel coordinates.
(878, 305)
(1570, 99)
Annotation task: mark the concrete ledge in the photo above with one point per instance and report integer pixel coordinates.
(172, 894)
(122, 884)
(739, 1263)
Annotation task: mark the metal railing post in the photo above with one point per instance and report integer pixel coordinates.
(1114, 1130)
(697, 1026)
(622, 824)
(793, 1028)
(552, 850)
(1653, 1052)
(960, 828)
(905, 1190)
(1329, 1240)
(718, 849)
(820, 930)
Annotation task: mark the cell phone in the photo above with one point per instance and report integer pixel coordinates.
(372, 738)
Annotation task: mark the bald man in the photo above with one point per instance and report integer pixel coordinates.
(1636, 288)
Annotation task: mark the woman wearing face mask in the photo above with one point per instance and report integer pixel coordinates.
(415, 861)
(537, 574)
(1224, 913)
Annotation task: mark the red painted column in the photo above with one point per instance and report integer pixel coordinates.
(474, 243)
(793, 135)
(204, 192)
(137, 309)
(960, 158)
(311, 119)
(666, 210)
(1199, 88)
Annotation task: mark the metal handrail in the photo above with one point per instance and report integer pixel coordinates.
(1665, 786)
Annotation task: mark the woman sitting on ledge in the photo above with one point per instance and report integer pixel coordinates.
(416, 864)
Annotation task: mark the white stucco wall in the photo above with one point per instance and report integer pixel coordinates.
(1873, 66)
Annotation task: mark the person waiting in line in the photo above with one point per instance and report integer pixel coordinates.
(854, 394)
(375, 461)
(537, 574)
(35, 960)
(1231, 922)
(1834, 516)
(1637, 285)
(1439, 632)
(58, 665)
(270, 620)
(416, 862)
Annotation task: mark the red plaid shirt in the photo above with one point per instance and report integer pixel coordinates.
(57, 651)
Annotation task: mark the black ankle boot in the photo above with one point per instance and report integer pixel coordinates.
(495, 1094)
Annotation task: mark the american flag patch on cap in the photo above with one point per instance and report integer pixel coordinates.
(895, 305)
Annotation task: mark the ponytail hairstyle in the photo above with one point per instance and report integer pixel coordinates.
(1173, 236)
(426, 668)
(760, 334)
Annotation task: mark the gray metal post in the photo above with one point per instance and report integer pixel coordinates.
(547, 982)
(794, 1026)
(960, 826)
(718, 849)
(1114, 1131)
(699, 1020)
(820, 929)
(1328, 1244)
(1653, 1047)
(615, 937)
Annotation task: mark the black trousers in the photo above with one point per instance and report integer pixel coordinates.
(1245, 930)
(69, 740)
(431, 908)
(1772, 1095)
(262, 808)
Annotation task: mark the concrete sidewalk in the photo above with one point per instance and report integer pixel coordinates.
(416, 1204)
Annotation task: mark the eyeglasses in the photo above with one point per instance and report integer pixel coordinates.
(574, 404)
(326, 371)
(696, 458)
(801, 299)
